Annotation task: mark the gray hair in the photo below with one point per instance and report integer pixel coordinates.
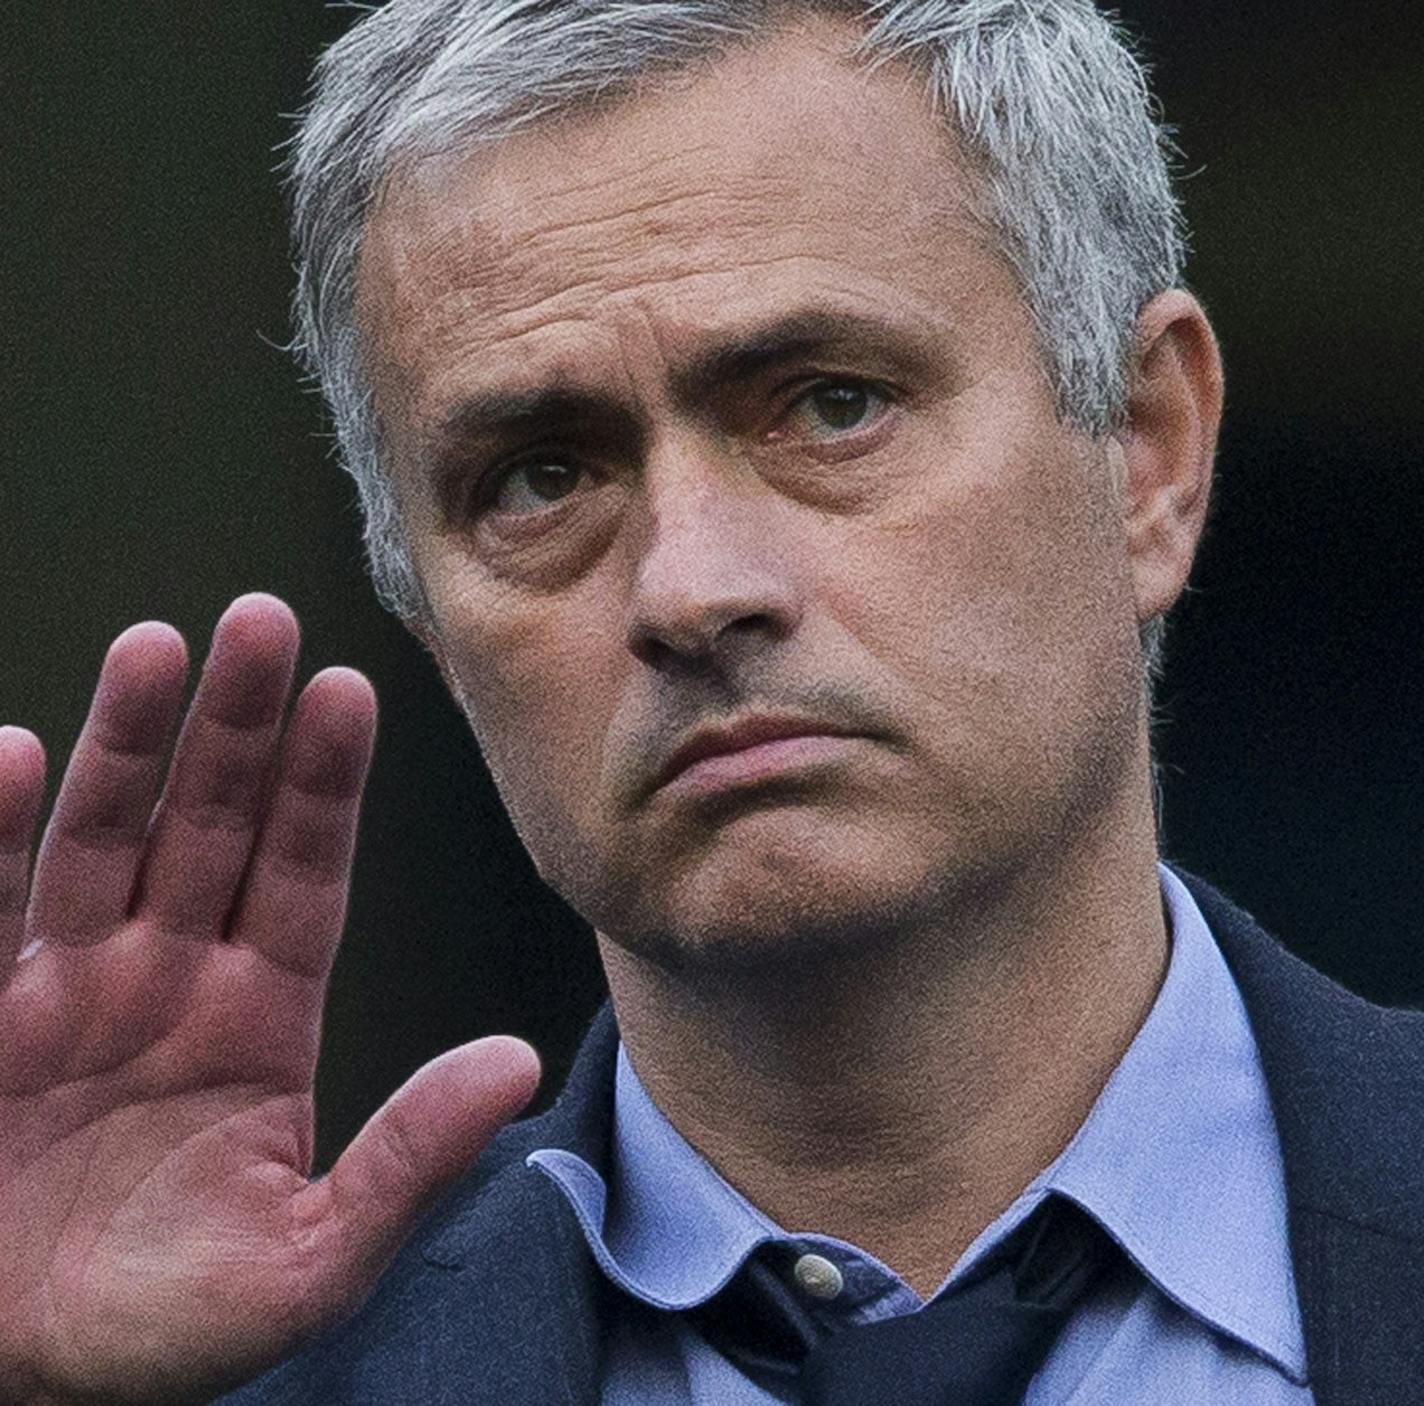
(1046, 95)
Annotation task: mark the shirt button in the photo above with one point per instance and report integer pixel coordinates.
(817, 1276)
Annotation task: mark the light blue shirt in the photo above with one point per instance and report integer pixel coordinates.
(1178, 1159)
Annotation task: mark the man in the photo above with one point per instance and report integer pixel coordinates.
(784, 425)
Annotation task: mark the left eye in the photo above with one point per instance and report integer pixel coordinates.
(838, 407)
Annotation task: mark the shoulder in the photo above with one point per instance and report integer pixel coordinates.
(1346, 1077)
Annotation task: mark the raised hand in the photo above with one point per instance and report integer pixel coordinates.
(163, 978)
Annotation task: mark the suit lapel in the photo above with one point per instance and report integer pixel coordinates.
(1346, 1080)
(522, 1301)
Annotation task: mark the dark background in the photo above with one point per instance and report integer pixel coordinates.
(162, 457)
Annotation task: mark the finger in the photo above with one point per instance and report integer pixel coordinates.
(22, 773)
(419, 1142)
(89, 858)
(293, 903)
(203, 830)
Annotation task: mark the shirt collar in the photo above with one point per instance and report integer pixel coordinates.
(671, 1231)
(1178, 1159)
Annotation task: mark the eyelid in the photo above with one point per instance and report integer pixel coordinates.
(806, 387)
(489, 479)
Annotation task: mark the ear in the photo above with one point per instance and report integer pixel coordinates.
(1167, 446)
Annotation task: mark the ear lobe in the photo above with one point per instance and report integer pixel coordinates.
(1168, 446)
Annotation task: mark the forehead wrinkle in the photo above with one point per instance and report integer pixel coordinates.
(505, 213)
(627, 250)
(487, 207)
(822, 295)
(659, 181)
(564, 334)
(709, 358)
(679, 221)
(482, 237)
(487, 255)
(636, 292)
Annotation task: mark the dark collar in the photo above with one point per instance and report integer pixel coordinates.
(1346, 1080)
(494, 1301)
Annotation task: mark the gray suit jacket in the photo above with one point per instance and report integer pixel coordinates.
(496, 1299)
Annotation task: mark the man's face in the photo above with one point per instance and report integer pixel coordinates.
(721, 404)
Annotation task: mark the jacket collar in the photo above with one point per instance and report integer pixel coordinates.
(518, 1319)
(1346, 1080)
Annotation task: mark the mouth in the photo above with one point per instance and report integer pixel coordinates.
(751, 752)
(758, 762)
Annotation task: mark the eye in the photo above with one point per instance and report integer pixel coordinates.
(833, 408)
(524, 489)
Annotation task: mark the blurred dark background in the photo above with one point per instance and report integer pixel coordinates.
(162, 457)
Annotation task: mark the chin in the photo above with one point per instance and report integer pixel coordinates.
(743, 907)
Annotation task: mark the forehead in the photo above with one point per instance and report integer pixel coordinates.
(782, 175)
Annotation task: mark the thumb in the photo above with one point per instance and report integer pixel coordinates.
(414, 1146)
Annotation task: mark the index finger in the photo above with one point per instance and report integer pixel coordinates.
(89, 857)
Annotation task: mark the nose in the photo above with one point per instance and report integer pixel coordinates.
(715, 576)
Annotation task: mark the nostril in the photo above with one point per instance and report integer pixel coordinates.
(660, 646)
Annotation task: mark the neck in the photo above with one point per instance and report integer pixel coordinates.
(901, 1098)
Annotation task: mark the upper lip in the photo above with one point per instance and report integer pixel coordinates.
(746, 732)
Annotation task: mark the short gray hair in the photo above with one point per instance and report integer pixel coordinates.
(1046, 95)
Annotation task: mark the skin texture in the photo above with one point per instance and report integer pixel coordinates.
(881, 992)
(878, 993)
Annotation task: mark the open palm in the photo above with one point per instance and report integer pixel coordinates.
(161, 986)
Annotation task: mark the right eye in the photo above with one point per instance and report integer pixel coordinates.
(526, 488)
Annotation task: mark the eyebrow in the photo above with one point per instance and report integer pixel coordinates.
(487, 414)
(794, 336)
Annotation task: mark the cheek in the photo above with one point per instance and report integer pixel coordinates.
(993, 597)
(539, 693)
